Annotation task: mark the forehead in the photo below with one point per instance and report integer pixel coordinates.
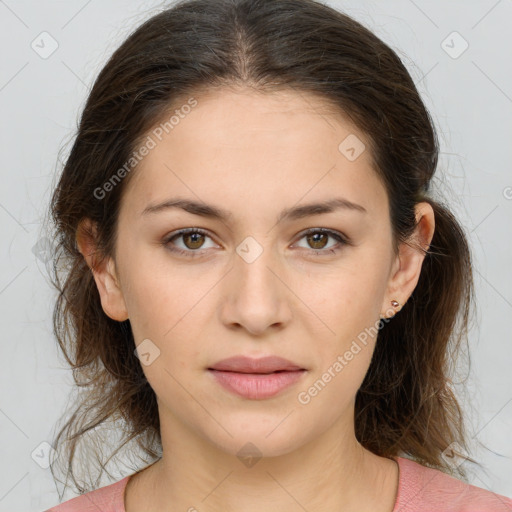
(241, 146)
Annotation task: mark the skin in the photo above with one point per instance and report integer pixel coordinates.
(255, 154)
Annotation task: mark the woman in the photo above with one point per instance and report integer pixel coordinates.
(260, 289)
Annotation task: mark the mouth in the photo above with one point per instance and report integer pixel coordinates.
(256, 379)
(263, 366)
(254, 373)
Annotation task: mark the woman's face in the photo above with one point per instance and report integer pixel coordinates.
(254, 283)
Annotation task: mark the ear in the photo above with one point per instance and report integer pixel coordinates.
(103, 270)
(406, 268)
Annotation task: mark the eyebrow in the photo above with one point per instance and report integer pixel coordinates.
(288, 214)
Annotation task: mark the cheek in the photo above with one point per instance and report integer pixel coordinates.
(156, 295)
(166, 325)
(349, 304)
(170, 310)
(349, 297)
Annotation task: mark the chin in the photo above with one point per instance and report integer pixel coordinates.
(258, 438)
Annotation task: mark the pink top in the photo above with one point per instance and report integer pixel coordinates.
(420, 489)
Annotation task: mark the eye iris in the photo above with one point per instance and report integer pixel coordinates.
(315, 241)
(196, 244)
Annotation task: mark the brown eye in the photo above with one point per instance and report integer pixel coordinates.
(193, 240)
(318, 240)
(188, 242)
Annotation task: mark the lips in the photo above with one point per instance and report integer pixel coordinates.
(243, 364)
(256, 379)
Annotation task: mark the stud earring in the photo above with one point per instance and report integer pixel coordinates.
(395, 304)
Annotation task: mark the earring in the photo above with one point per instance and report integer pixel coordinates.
(395, 304)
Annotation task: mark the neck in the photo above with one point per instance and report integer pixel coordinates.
(331, 472)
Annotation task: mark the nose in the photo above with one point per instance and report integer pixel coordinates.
(256, 296)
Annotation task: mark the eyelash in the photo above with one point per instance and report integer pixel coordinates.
(195, 253)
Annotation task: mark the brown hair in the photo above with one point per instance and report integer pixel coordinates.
(406, 405)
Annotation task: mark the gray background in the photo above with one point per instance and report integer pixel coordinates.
(468, 93)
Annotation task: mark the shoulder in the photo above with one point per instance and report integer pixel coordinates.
(107, 499)
(423, 489)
